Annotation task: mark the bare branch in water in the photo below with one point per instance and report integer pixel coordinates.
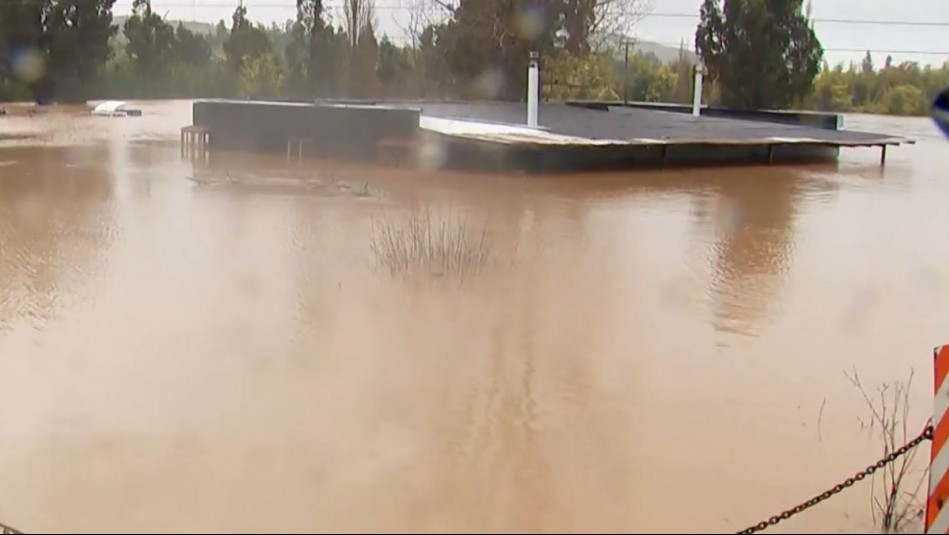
(894, 497)
(435, 248)
(820, 417)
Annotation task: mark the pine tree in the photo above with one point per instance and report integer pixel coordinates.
(364, 82)
(245, 40)
(762, 53)
(75, 40)
(684, 67)
(323, 46)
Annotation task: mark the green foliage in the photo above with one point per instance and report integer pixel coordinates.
(590, 77)
(20, 30)
(322, 49)
(159, 60)
(904, 89)
(69, 40)
(762, 53)
(260, 77)
(245, 40)
(296, 55)
(219, 37)
(649, 80)
(76, 41)
(364, 82)
(121, 80)
(395, 70)
(191, 48)
(434, 77)
(151, 40)
(684, 77)
(487, 43)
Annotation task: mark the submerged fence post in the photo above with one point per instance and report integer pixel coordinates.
(937, 509)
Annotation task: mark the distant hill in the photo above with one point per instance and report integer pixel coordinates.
(194, 26)
(665, 53)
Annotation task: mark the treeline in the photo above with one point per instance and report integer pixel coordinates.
(459, 48)
(899, 89)
(905, 88)
(73, 50)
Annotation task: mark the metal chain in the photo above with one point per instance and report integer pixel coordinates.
(927, 434)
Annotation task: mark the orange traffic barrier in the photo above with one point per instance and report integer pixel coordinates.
(937, 506)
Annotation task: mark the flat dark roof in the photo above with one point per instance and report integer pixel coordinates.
(628, 123)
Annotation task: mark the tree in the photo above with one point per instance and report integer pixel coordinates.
(150, 39)
(762, 53)
(364, 82)
(75, 39)
(907, 99)
(191, 48)
(904, 89)
(487, 43)
(22, 63)
(260, 76)
(592, 76)
(590, 25)
(357, 16)
(281, 37)
(323, 46)
(867, 64)
(685, 77)
(434, 74)
(650, 80)
(219, 37)
(394, 69)
(297, 59)
(245, 40)
(587, 25)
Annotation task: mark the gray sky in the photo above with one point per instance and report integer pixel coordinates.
(843, 40)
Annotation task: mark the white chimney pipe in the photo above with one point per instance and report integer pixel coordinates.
(532, 90)
(697, 95)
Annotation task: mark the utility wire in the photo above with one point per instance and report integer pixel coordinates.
(402, 7)
(833, 49)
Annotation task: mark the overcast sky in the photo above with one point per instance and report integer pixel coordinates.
(673, 20)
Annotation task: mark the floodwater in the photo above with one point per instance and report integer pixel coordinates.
(210, 346)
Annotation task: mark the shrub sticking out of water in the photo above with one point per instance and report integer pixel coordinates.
(896, 488)
(429, 247)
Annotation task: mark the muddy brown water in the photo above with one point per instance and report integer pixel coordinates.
(206, 346)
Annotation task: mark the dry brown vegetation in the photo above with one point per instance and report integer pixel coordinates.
(429, 247)
(895, 495)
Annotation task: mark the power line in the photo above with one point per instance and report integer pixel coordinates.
(857, 50)
(402, 7)
(231, 5)
(907, 52)
(826, 21)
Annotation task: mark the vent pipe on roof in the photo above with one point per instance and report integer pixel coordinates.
(532, 90)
